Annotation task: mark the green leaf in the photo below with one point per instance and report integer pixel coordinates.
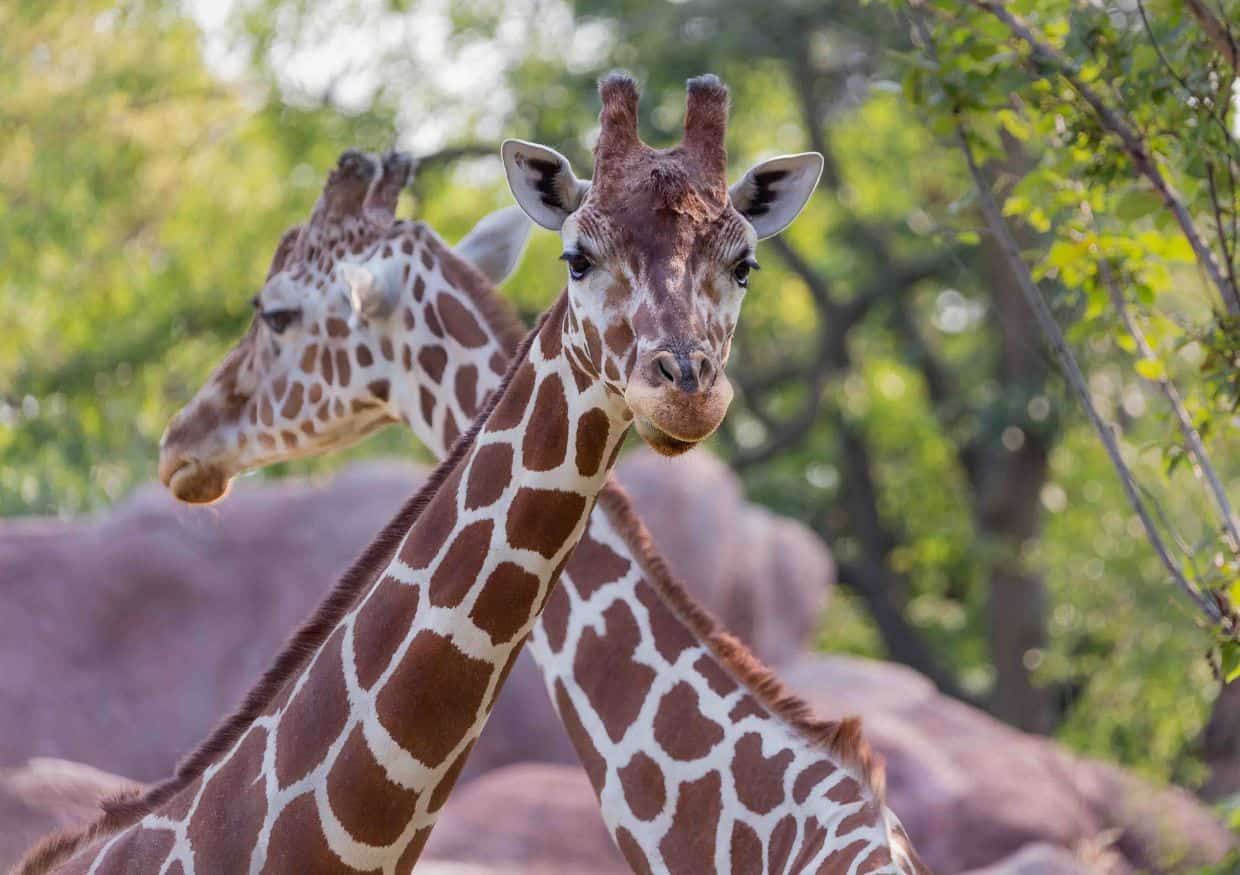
(1136, 204)
(1229, 652)
(1151, 369)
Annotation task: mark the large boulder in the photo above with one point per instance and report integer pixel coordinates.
(971, 790)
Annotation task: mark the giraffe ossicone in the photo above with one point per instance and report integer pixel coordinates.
(748, 783)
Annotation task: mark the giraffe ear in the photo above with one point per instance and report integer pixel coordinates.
(370, 294)
(542, 182)
(495, 244)
(772, 193)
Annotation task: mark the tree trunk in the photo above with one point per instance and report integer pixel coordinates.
(1008, 478)
(1220, 745)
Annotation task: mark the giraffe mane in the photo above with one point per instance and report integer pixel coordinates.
(126, 809)
(841, 739)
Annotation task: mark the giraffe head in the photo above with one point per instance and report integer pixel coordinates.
(659, 251)
(333, 343)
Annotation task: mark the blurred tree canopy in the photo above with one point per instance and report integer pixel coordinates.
(894, 390)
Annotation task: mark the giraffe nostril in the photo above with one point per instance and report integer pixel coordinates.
(665, 369)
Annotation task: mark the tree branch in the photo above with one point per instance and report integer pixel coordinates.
(1219, 33)
(1131, 141)
(1201, 464)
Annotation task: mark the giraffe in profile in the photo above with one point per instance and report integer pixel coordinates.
(674, 629)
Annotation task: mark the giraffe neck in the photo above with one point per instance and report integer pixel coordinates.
(354, 756)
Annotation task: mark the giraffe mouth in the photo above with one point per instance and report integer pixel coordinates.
(194, 483)
(660, 441)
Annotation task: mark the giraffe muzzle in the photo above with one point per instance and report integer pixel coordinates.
(191, 481)
(677, 400)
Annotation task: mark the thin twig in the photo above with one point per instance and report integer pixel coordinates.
(1003, 236)
(1129, 138)
(1218, 33)
(1201, 464)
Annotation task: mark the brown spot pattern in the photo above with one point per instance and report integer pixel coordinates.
(542, 519)
(681, 728)
(862, 817)
(746, 850)
(809, 779)
(714, 674)
(644, 790)
(292, 404)
(616, 685)
(759, 780)
(555, 618)
(231, 810)
(381, 389)
(811, 845)
(847, 790)
(432, 321)
(434, 526)
(671, 637)
(315, 717)
(879, 857)
(632, 852)
(426, 398)
(433, 360)
(593, 565)
(373, 809)
(840, 862)
(457, 573)
(467, 389)
(747, 706)
(297, 843)
(343, 369)
(618, 337)
(689, 846)
(506, 602)
(460, 323)
(441, 792)
(511, 408)
(489, 475)
(382, 621)
(433, 697)
(782, 838)
(546, 436)
(141, 850)
(591, 760)
(593, 429)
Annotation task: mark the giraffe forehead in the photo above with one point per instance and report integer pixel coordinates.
(652, 243)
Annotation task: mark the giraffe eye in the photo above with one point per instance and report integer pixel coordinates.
(740, 272)
(278, 320)
(579, 264)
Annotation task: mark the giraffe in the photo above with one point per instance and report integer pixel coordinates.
(345, 751)
(618, 632)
